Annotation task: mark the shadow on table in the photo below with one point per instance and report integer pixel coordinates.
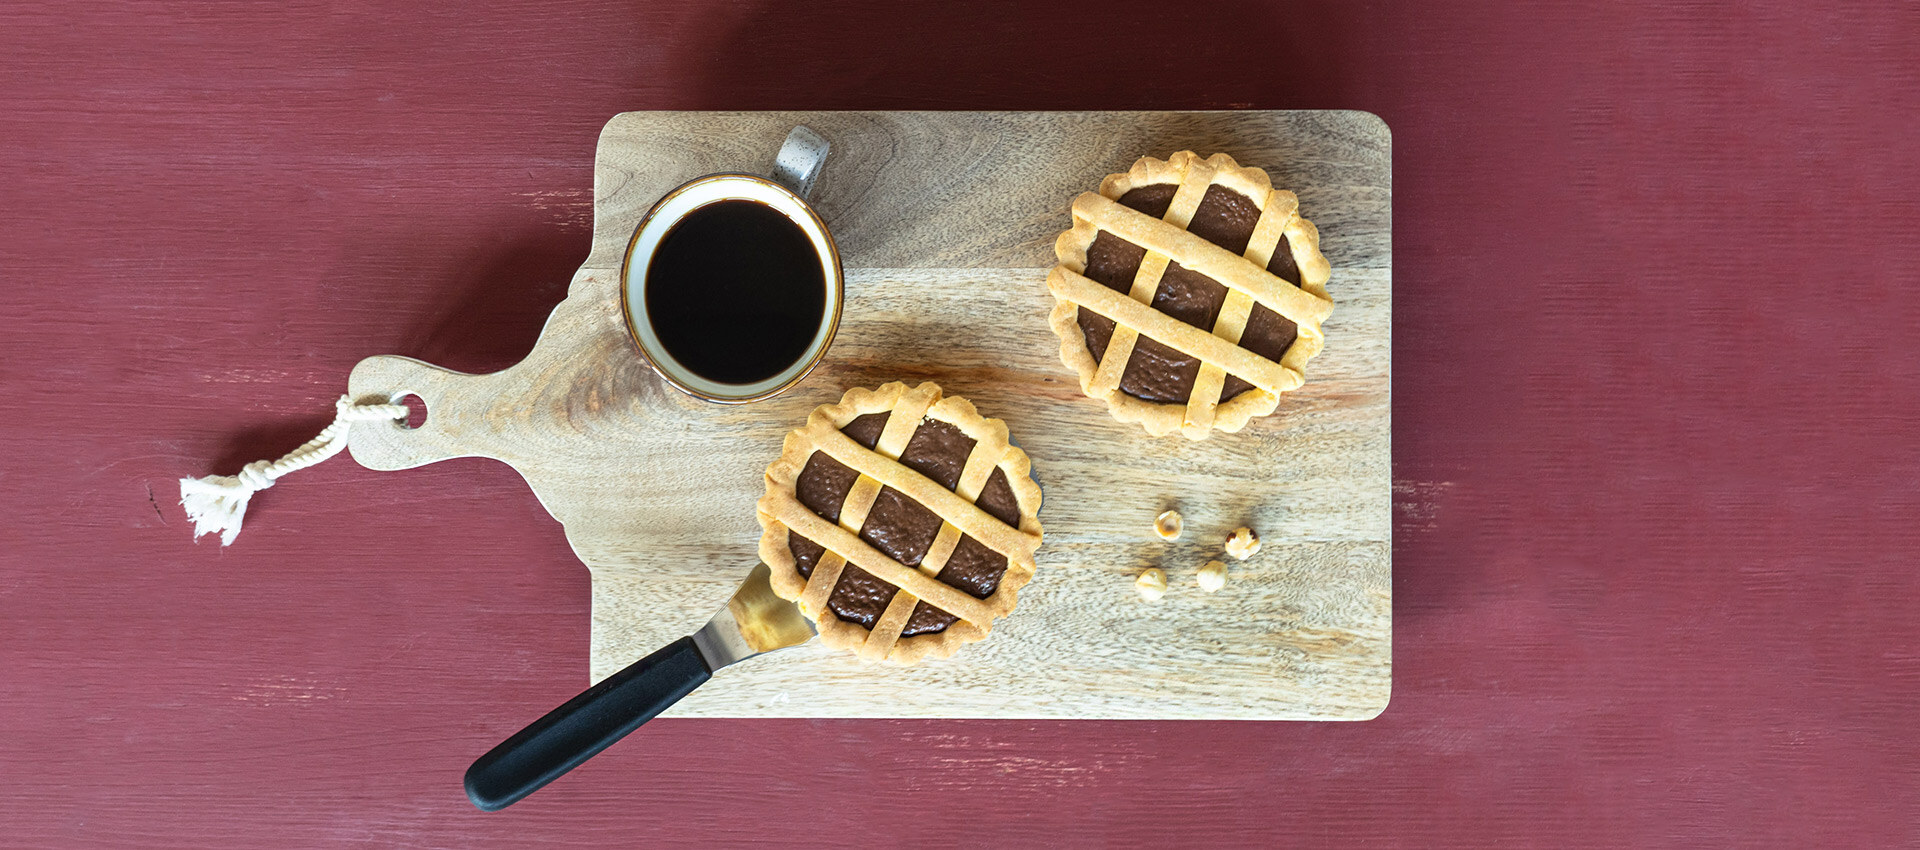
(504, 296)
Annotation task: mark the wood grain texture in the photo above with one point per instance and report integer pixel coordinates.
(1654, 523)
(656, 489)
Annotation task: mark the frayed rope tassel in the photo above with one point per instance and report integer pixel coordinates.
(218, 502)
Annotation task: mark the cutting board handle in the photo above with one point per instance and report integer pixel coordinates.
(460, 421)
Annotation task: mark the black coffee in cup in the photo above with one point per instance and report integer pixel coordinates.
(736, 291)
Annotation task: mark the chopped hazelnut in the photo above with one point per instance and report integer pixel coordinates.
(1151, 585)
(1168, 525)
(1213, 576)
(1243, 543)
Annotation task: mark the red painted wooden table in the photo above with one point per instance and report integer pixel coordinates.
(1657, 425)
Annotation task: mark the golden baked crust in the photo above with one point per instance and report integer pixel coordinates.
(781, 511)
(1246, 277)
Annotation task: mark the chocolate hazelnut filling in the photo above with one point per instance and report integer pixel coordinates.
(865, 430)
(859, 597)
(806, 553)
(823, 485)
(901, 528)
(1159, 373)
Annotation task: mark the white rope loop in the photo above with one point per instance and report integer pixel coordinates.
(219, 502)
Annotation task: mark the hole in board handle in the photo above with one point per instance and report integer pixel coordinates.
(416, 410)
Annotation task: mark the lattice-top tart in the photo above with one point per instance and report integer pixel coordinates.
(903, 522)
(1190, 294)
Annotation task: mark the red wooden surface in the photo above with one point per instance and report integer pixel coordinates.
(1656, 416)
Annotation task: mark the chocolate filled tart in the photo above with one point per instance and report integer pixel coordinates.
(1190, 294)
(902, 521)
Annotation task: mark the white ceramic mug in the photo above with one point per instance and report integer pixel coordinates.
(786, 191)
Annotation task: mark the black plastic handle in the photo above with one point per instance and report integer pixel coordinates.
(569, 735)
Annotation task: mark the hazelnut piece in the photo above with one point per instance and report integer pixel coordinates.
(1151, 585)
(1167, 525)
(1212, 577)
(1243, 543)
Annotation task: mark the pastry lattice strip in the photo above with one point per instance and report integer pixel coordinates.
(880, 467)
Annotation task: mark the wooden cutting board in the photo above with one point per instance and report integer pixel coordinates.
(946, 221)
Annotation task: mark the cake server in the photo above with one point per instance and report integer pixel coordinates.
(754, 621)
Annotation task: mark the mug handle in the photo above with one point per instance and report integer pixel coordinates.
(798, 161)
